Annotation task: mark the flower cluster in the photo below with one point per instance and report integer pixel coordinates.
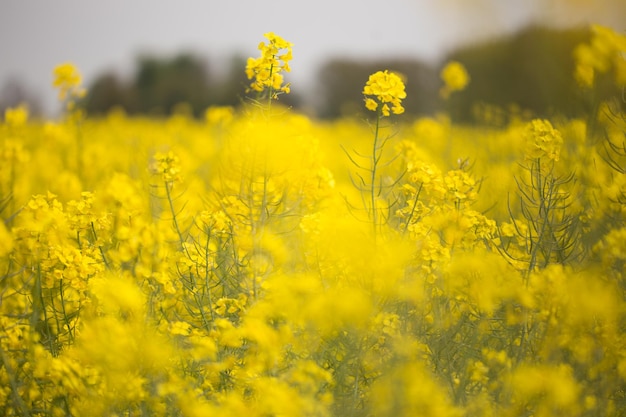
(219, 115)
(68, 80)
(383, 89)
(605, 51)
(267, 70)
(455, 78)
(16, 116)
(166, 165)
(543, 141)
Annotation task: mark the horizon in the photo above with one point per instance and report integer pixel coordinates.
(98, 39)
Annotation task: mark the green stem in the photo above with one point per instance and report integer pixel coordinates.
(375, 158)
(64, 312)
(95, 239)
(79, 151)
(17, 400)
(11, 202)
(416, 199)
(207, 284)
(39, 309)
(356, 388)
(543, 214)
(59, 326)
(271, 91)
(174, 219)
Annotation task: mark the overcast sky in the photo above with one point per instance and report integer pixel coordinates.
(102, 35)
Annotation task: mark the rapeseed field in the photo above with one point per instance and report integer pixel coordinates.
(259, 262)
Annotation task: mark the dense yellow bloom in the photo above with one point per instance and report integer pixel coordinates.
(460, 187)
(455, 78)
(266, 70)
(543, 141)
(216, 115)
(554, 386)
(167, 166)
(605, 51)
(16, 116)
(407, 389)
(6, 240)
(180, 328)
(258, 289)
(383, 89)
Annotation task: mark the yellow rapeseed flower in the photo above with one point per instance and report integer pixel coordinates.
(16, 116)
(266, 70)
(68, 80)
(217, 115)
(167, 165)
(382, 89)
(180, 328)
(455, 77)
(542, 140)
(6, 240)
(605, 50)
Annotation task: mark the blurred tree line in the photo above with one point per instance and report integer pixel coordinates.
(13, 93)
(531, 70)
(160, 85)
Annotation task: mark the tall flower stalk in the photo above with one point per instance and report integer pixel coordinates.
(384, 92)
(166, 166)
(68, 81)
(545, 201)
(266, 71)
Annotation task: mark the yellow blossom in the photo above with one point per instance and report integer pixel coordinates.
(383, 89)
(605, 50)
(543, 141)
(68, 80)
(6, 240)
(17, 116)
(180, 328)
(455, 78)
(167, 166)
(216, 115)
(553, 386)
(266, 70)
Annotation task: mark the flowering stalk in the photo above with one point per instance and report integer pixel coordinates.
(382, 90)
(68, 81)
(167, 167)
(13, 155)
(266, 71)
(18, 401)
(544, 203)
